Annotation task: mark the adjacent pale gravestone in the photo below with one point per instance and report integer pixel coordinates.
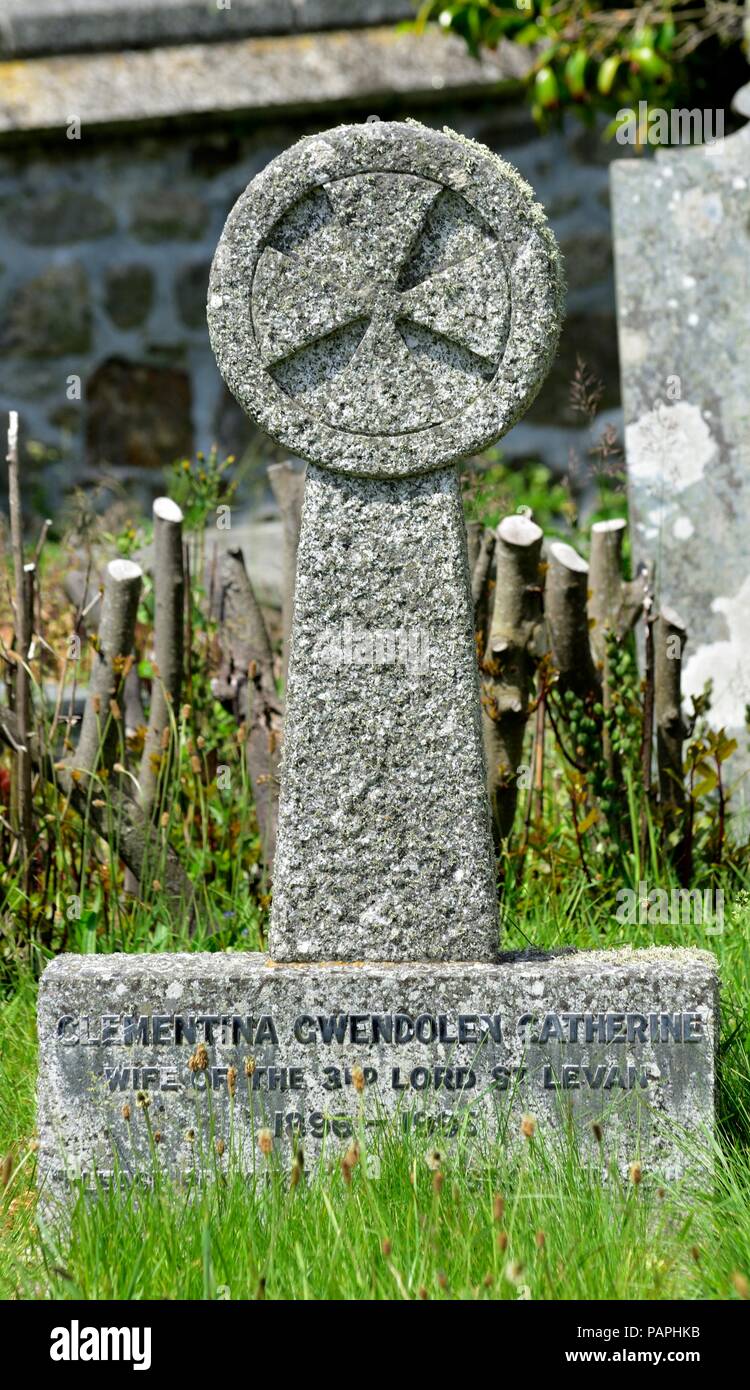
(683, 290)
(385, 300)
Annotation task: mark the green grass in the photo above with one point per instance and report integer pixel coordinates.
(405, 1234)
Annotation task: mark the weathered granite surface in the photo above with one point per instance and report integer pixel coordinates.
(384, 848)
(385, 298)
(444, 1050)
(292, 74)
(683, 280)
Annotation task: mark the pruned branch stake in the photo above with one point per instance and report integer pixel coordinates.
(169, 604)
(614, 604)
(248, 679)
(566, 595)
(100, 732)
(508, 670)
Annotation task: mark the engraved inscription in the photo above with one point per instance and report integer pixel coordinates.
(471, 1044)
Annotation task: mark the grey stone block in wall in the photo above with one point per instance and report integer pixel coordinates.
(683, 281)
(59, 217)
(138, 416)
(144, 1060)
(169, 216)
(191, 286)
(49, 315)
(61, 26)
(129, 294)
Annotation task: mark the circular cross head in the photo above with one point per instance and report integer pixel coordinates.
(385, 299)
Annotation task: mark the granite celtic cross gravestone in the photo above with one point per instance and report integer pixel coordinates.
(385, 301)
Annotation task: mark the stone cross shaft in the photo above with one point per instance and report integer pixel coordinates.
(384, 301)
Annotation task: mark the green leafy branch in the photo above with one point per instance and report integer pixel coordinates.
(599, 57)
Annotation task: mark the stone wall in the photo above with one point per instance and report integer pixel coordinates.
(30, 27)
(105, 243)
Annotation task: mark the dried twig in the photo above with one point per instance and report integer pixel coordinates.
(41, 540)
(169, 612)
(247, 679)
(136, 843)
(647, 736)
(23, 617)
(670, 636)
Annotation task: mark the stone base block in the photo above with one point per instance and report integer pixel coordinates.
(181, 1060)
